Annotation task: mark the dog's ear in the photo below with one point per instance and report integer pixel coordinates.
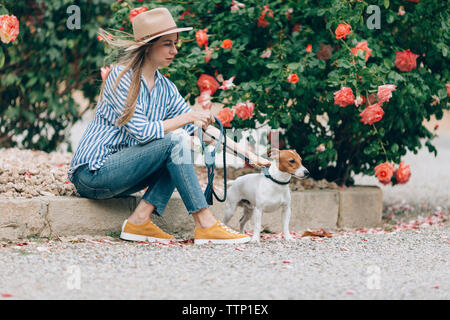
(271, 153)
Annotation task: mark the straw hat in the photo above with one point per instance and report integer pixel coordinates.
(151, 24)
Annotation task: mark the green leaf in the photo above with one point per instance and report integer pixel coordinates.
(273, 66)
(31, 82)
(293, 66)
(394, 148)
(344, 64)
(321, 12)
(10, 79)
(2, 58)
(386, 4)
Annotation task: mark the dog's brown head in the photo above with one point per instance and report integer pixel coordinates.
(288, 161)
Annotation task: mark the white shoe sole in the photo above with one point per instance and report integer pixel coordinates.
(222, 241)
(138, 237)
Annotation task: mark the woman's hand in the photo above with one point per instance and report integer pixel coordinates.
(201, 118)
(261, 162)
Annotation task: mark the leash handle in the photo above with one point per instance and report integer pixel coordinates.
(210, 156)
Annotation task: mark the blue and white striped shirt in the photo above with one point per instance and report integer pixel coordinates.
(102, 138)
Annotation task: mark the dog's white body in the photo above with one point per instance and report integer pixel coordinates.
(257, 194)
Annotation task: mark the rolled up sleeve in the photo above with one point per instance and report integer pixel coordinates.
(139, 126)
(177, 106)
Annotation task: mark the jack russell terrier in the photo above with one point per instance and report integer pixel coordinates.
(266, 192)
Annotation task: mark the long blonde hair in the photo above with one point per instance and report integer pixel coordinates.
(134, 60)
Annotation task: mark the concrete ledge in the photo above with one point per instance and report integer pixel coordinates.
(65, 216)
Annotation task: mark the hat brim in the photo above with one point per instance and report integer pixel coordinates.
(159, 35)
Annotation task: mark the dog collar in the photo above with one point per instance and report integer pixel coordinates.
(265, 170)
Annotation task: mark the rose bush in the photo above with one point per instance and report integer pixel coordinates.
(348, 98)
(41, 62)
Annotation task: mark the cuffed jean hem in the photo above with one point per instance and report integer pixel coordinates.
(191, 212)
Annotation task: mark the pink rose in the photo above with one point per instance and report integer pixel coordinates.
(384, 172)
(225, 116)
(244, 110)
(362, 46)
(207, 83)
(228, 84)
(403, 173)
(372, 114)
(385, 92)
(406, 60)
(205, 100)
(9, 28)
(202, 37)
(342, 30)
(344, 97)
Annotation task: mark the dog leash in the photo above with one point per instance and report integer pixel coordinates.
(210, 162)
(210, 159)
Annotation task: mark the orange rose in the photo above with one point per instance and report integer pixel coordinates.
(207, 83)
(9, 28)
(309, 48)
(244, 110)
(406, 60)
(448, 89)
(202, 37)
(402, 174)
(136, 11)
(293, 78)
(186, 13)
(362, 46)
(267, 11)
(372, 114)
(384, 172)
(227, 44)
(225, 116)
(344, 97)
(262, 22)
(342, 30)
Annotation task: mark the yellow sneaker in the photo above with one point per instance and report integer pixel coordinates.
(219, 233)
(147, 231)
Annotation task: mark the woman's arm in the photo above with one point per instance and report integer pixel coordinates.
(176, 122)
(254, 158)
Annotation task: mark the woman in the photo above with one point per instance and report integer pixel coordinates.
(131, 144)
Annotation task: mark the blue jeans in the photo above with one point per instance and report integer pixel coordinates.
(161, 165)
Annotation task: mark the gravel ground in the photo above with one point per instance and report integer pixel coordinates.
(409, 263)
